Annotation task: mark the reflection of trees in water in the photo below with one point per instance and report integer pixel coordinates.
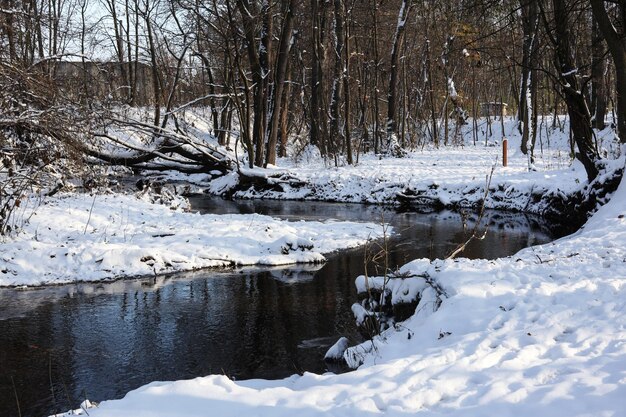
(506, 233)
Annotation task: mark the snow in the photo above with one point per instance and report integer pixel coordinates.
(570, 72)
(542, 332)
(336, 351)
(79, 237)
(401, 290)
(360, 313)
(452, 89)
(454, 176)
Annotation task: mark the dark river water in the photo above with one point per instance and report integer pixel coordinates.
(61, 344)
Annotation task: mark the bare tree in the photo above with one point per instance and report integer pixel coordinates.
(336, 135)
(278, 102)
(318, 132)
(617, 46)
(396, 50)
(571, 85)
(527, 112)
(598, 77)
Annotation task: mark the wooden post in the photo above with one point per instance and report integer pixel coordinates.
(505, 142)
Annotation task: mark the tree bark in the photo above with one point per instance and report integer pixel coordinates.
(7, 25)
(346, 89)
(119, 41)
(398, 41)
(286, 40)
(617, 47)
(318, 21)
(376, 68)
(155, 70)
(259, 65)
(527, 117)
(598, 69)
(339, 38)
(580, 119)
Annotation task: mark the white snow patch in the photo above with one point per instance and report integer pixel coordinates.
(68, 240)
(336, 351)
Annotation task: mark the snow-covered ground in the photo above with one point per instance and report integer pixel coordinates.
(452, 175)
(542, 332)
(79, 237)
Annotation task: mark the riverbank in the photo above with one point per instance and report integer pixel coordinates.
(542, 332)
(103, 237)
(453, 176)
(246, 322)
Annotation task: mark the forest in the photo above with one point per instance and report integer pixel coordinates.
(322, 207)
(346, 76)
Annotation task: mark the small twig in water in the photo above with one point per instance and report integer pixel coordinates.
(54, 398)
(475, 234)
(67, 394)
(17, 400)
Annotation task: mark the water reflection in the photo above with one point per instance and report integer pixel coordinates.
(102, 340)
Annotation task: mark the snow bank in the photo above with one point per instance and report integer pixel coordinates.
(449, 176)
(336, 351)
(401, 290)
(541, 333)
(88, 238)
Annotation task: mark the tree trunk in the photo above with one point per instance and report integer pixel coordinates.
(236, 70)
(119, 41)
(580, 119)
(376, 78)
(259, 64)
(398, 41)
(129, 52)
(339, 38)
(37, 18)
(598, 69)
(346, 89)
(617, 47)
(318, 20)
(8, 30)
(286, 40)
(215, 114)
(136, 66)
(155, 71)
(431, 95)
(525, 113)
(284, 116)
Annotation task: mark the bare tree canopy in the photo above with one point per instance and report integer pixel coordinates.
(275, 76)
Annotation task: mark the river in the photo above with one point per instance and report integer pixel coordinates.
(61, 344)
